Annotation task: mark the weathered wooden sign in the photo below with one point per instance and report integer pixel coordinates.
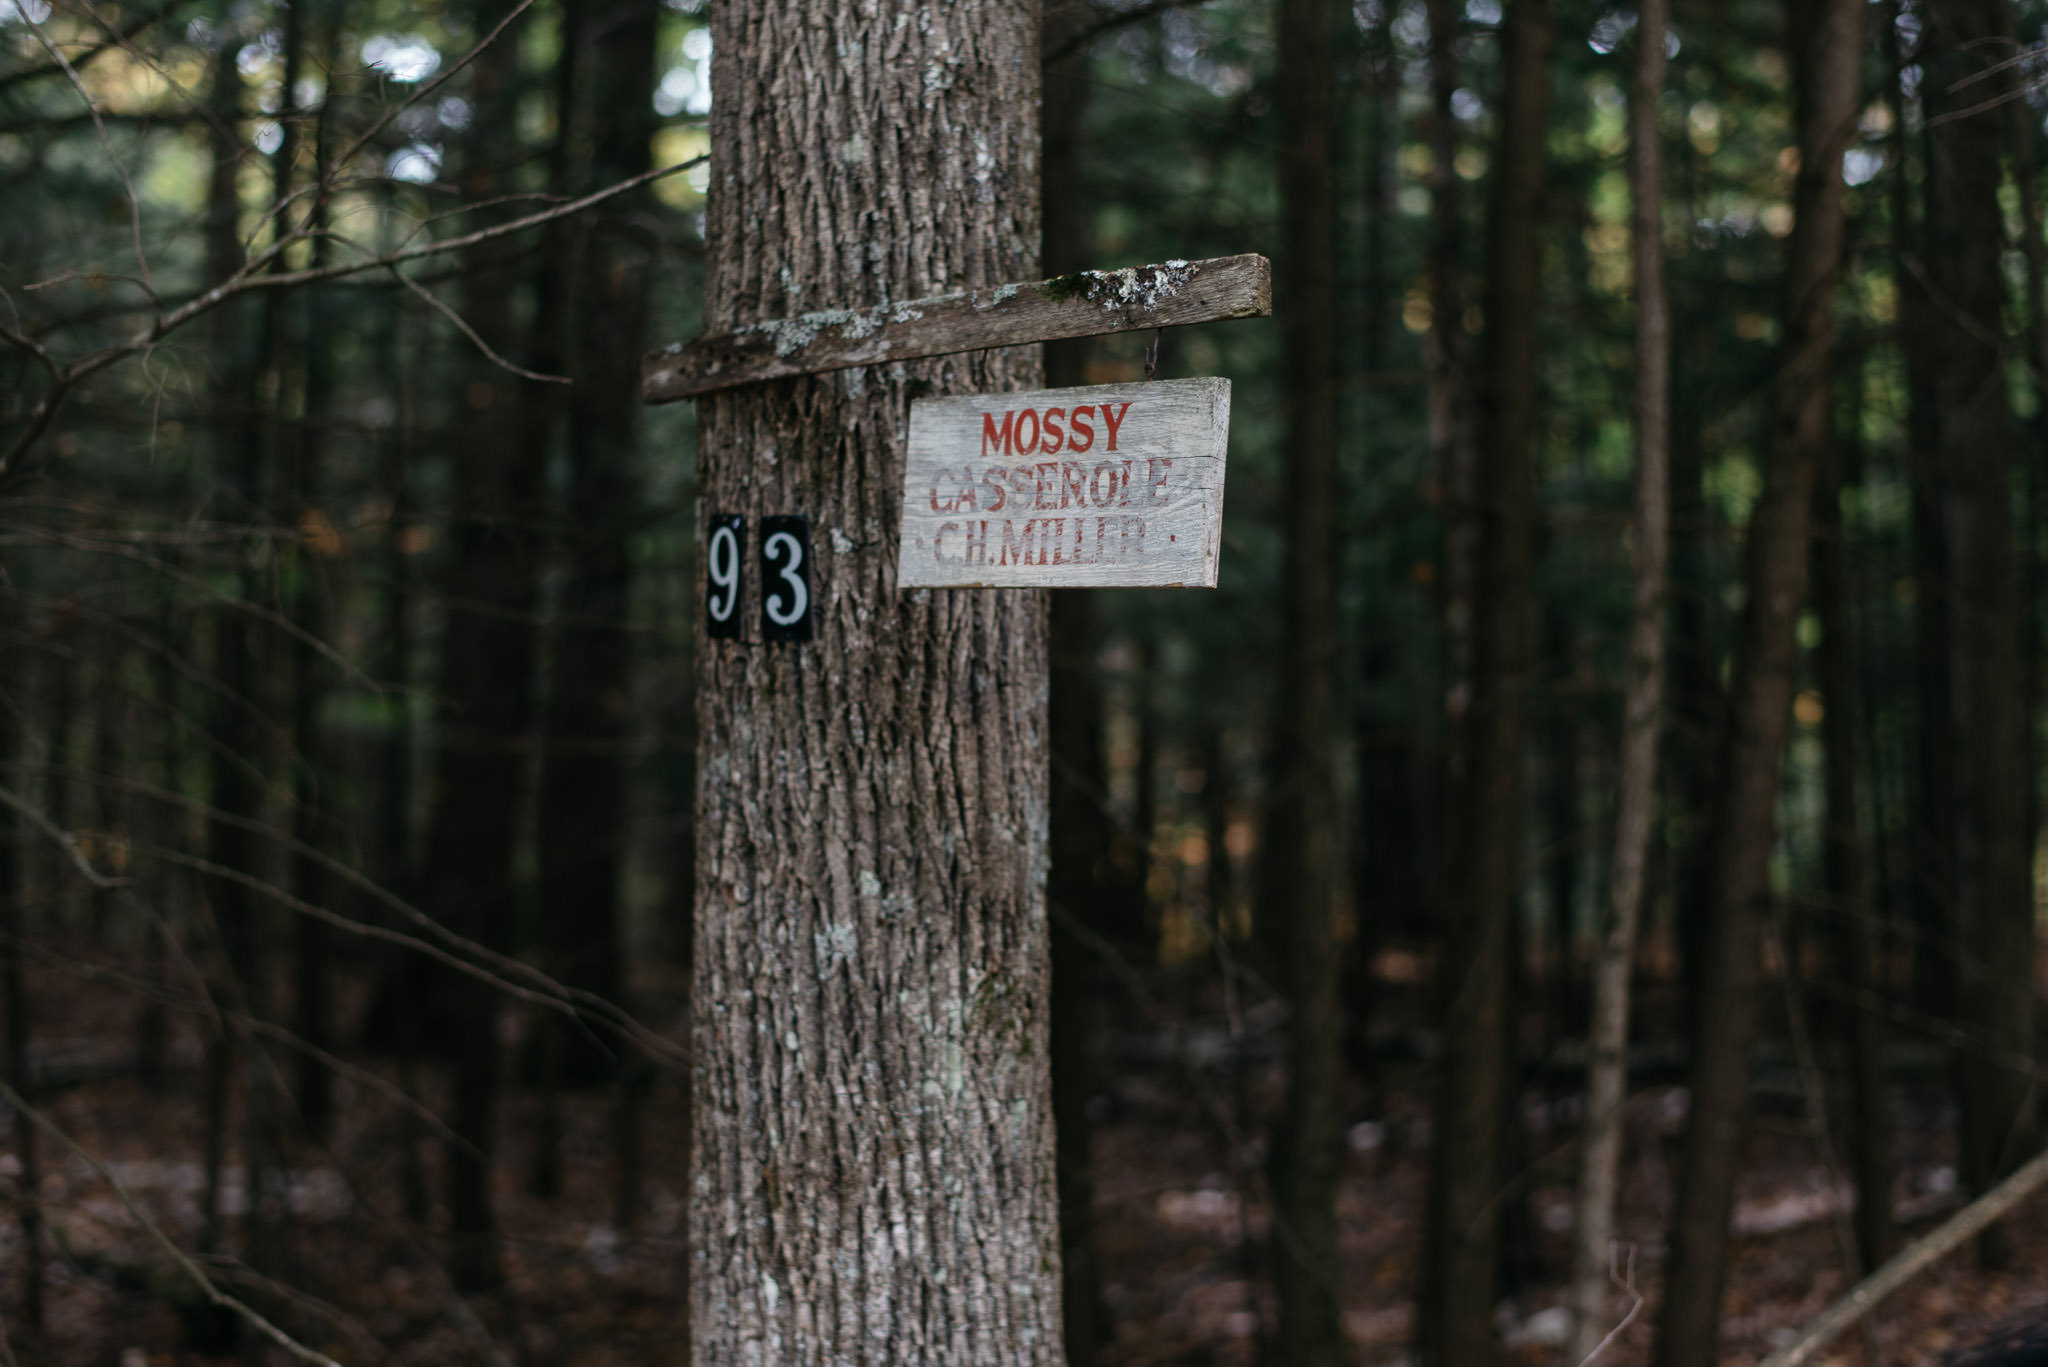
(1081, 304)
(1109, 485)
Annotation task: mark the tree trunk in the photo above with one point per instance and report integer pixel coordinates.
(1930, 856)
(1642, 702)
(1827, 43)
(583, 816)
(1453, 445)
(2026, 138)
(1079, 879)
(1461, 1240)
(312, 998)
(1140, 928)
(27, 1181)
(1306, 849)
(485, 685)
(266, 661)
(235, 793)
(1846, 859)
(1993, 922)
(873, 1132)
(1698, 716)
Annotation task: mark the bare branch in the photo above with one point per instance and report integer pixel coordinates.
(1911, 1261)
(213, 1293)
(106, 144)
(1626, 1280)
(426, 88)
(64, 839)
(118, 38)
(490, 965)
(251, 276)
(434, 302)
(1111, 22)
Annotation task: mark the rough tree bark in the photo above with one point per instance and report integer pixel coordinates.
(1972, 472)
(1642, 699)
(1304, 853)
(1461, 1240)
(1826, 42)
(872, 1123)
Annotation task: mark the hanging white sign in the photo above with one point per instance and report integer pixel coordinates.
(1105, 486)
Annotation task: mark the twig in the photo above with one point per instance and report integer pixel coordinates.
(1110, 23)
(1911, 1261)
(191, 1269)
(97, 50)
(426, 88)
(66, 841)
(1627, 1282)
(1814, 1092)
(434, 302)
(251, 276)
(106, 145)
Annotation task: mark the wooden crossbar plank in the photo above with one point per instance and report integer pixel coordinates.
(1083, 304)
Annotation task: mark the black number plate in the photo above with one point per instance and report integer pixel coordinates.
(786, 578)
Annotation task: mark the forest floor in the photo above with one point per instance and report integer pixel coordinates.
(1181, 1223)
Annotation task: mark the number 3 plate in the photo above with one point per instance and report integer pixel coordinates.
(786, 578)
(723, 557)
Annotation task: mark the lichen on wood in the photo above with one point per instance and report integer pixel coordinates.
(1078, 304)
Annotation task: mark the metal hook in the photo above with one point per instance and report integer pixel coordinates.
(1152, 354)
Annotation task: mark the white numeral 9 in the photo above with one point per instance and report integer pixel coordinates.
(725, 575)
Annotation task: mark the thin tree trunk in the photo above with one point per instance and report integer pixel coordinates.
(581, 829)
(1845, 859)
(1993, 923)
(165, 824)
(1140, 928)
(870, 948)
(2026, 138)
(1306, 847)
(235, 795)
(398, 757)
(108, 727)
(1461, 1239)
(583, 812)
(1929, 859)
(1698, 713)
(1079, 881)
(1642, 702)
(1827, 43)
(312, 996)
(265, 1200)
(51, 886)
(1564, 782)
(27, 1183)
(485, 685)
(1452, 438)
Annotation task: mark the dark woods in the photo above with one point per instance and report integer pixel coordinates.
(1579, 872)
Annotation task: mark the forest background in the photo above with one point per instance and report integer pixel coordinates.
(351, 599)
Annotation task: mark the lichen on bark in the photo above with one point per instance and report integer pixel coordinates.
(873, 1165)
